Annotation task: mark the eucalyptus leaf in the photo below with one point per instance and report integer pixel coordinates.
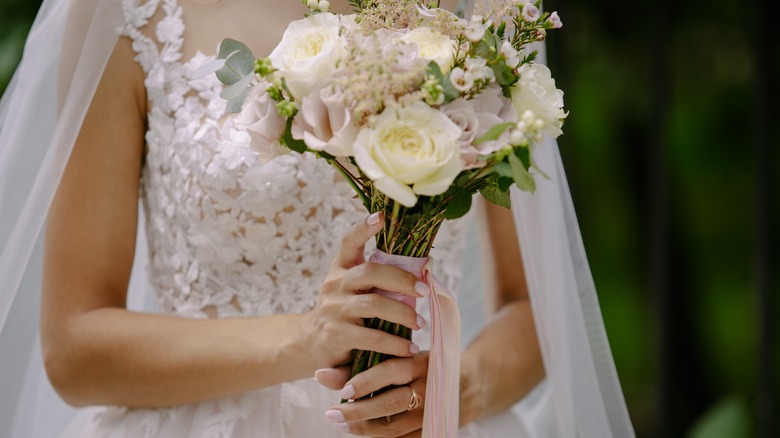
(523, 179)
(493, 133)
(459, 205)
(492, 193)
(234, 105)
(238, 88)
(208, 68)
(239, 61)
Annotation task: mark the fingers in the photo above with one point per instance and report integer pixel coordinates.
(377, 306)
(398, 371)
(369, 339)
(353, 242)
(399, 425)
(369, 416)
(390, 278)
(332, 378)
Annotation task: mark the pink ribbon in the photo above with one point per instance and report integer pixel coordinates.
(442, 395)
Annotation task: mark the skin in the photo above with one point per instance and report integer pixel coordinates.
(96, 352)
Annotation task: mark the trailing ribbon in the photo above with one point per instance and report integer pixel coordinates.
(442, 394)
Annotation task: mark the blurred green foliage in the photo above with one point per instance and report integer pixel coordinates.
(16, 17)
(606, 59)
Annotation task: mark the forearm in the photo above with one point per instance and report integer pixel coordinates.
(502, 364)
(115, 357)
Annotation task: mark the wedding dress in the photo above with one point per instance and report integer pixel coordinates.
(232, 234)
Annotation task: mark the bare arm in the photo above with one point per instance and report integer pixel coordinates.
(504, 362)
(97, 352)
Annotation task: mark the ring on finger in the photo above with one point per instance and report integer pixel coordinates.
(415, 401)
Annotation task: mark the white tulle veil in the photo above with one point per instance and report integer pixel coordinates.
(40, 115)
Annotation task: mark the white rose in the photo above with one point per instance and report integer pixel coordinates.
(413, 145)
(536, 91)
(433, 46)
(324, 122)
(263, 123)
(309, 51)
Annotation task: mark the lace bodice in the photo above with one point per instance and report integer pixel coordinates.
(229, 234)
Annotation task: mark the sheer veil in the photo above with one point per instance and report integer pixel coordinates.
(40, 116)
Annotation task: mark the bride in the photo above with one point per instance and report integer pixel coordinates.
(258, 266)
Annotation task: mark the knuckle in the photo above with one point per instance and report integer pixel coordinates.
(394, 404)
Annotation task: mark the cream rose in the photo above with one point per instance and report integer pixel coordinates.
(309, 51)
(263, 123)
(536, 91)
(415, 146)
(324, 122)
(433, 46)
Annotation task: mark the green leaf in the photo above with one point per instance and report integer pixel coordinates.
(504, 183)
(493, 133)
(524, 154)
(459, 205)
(523, 179)
(239, 61)
(492, 193)
(238, 88)
(503, 169)
(288, 140)
(234, 104)
(505, 76)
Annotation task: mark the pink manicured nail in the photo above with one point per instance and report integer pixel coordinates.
(422, 288)
(420, 321)
(348, 392)
(344, 427)
(373, 219)
(414, 349)
(318, 374)
(335, 416)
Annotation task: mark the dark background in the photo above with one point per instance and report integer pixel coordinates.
(671, 152)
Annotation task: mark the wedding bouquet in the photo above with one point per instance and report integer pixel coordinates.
(418, 108)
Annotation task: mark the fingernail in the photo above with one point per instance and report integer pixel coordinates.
(422, 289)
(373, 219)
(344, 427)
(413, 348)
(318, 374)
(348, 392)
(420, 321)
(335, 416)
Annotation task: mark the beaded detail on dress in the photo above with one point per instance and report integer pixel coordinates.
(228, 234)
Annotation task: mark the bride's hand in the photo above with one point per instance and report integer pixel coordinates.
(335, 326)
(369, 416)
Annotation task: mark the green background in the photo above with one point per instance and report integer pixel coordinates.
(676, 82)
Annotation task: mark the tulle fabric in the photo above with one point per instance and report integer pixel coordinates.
(40, 116)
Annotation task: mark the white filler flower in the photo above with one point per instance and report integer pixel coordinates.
(415, 146)
(309, 51)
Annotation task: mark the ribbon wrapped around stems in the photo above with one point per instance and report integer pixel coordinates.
(442, 393)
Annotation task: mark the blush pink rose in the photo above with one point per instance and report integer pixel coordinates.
(263, 123)
(324, 121)
(475, 117)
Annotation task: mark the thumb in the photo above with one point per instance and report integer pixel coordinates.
(353, 243)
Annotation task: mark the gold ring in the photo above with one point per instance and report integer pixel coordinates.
(415, 401)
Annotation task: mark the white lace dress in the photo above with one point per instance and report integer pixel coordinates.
(229, 235)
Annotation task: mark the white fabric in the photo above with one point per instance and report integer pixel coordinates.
(196, 274)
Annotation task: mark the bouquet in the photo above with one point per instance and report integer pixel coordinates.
(416, 107)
